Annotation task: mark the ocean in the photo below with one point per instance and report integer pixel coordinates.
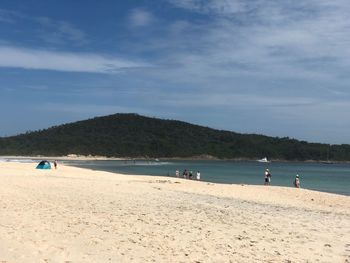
(333, 178)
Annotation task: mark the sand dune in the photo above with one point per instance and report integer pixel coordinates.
(79, 215)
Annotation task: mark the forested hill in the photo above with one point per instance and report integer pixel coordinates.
(132, 135)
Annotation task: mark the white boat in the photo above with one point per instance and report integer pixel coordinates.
(263, 160)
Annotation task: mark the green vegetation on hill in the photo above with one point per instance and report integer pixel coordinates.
(132, 135)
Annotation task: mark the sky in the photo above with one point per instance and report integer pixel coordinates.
(273, 67)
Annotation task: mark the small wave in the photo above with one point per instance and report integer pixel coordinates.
(18, 160)
(151, 163)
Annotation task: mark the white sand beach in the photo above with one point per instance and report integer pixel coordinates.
(79, 215)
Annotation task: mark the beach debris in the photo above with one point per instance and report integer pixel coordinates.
(163, 181)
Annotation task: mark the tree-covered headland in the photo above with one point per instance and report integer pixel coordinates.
(132, 135)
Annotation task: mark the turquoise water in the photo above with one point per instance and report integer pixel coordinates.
(334, 178)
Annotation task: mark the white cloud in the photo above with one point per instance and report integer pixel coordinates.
(63, 61)
(140, 18)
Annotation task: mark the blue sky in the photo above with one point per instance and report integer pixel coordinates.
(279, 68)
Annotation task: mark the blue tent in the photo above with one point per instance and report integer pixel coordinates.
(44, 165)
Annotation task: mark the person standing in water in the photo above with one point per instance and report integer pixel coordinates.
(267, 177)
(184, 174)
(198, 175)
(296, 181)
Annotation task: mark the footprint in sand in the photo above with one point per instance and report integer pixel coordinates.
(95, 240)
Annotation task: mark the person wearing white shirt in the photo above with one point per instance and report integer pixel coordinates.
(198, 175)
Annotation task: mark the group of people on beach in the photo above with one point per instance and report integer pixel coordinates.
(267, 179)
(188, 174)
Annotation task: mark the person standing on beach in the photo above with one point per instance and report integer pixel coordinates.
(198, 175)
(177, 173)
(296, 181)
(191, 174)
(185, 174)
(269, 176)
(55, 164)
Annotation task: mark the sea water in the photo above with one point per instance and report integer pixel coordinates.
(333, 178)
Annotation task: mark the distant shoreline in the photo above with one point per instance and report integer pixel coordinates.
(74, 157)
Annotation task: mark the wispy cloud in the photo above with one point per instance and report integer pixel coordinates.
(50, 30)
(261, 39)
(63, 61)
(140, 18)
(58, 32)
(213, 6)
(240, 100)
(260, 9)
